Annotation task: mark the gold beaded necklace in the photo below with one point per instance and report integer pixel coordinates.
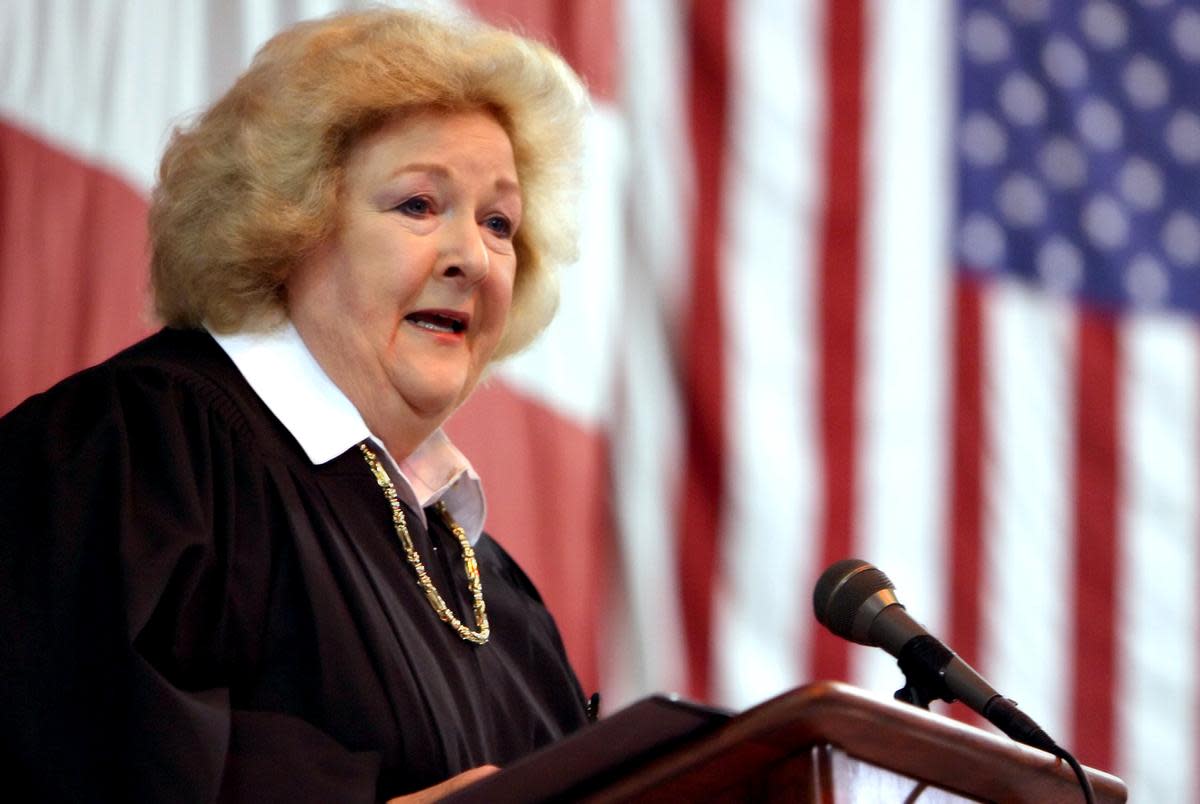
(474, 584)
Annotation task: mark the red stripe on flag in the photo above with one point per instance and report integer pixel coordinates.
(72, 265)
(1097, 472)
(703, 481)
(838, 299)
(963, 560)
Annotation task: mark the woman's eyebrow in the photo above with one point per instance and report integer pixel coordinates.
(441, 171)
(503, 183)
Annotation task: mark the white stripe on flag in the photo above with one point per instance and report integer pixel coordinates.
(906, 285)
(258, 21)
(766, 262)
(1157, 562)
(100, 82)
(1029, 387)
(646, 649)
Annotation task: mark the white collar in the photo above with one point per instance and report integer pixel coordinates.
(288, 379)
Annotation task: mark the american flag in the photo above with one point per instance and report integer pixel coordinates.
(911, 281)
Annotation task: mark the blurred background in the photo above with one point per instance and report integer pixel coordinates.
(910, 281)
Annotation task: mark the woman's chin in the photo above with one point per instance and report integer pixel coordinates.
(430, 401)
(433, 387)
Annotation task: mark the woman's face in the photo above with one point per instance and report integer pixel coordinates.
(405, 305)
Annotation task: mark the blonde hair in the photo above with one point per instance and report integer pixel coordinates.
(251, 187)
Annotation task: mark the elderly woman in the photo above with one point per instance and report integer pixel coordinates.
(241, 560)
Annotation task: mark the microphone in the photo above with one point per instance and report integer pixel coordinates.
(856, 601)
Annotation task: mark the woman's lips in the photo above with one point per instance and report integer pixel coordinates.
(443, 321)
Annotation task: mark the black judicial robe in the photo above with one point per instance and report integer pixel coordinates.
(191, 611)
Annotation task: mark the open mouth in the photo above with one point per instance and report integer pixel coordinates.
(438, 320)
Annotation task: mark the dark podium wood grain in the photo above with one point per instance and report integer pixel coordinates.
(829, 742)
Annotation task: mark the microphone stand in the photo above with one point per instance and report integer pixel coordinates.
(922, 660)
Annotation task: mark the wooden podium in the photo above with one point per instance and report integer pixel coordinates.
(831, 743)
(826, 742)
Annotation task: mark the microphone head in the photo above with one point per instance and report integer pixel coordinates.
(841, 592)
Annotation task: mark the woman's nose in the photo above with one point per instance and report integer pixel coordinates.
(465, 255)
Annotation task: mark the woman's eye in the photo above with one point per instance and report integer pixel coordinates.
(417, 205)
(501, 225)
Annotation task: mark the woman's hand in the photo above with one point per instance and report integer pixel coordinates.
(451, 785)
